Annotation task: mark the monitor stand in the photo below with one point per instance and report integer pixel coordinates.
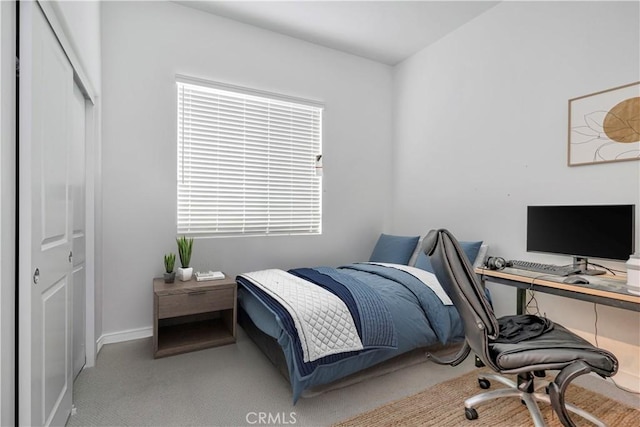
(583, 264)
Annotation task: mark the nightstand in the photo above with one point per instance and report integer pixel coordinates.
(193, 315)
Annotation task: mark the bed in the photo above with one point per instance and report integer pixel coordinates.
(322, 324)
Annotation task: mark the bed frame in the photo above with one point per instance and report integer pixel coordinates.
(266, 343)
(270, 347)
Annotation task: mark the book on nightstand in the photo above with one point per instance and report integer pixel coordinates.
(202, 276)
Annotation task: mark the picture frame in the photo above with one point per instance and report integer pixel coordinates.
(604, 126)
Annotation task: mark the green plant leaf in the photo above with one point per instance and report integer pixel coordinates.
(185, 247)
(169, 262)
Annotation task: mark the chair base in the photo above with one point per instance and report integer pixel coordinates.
(531, 396)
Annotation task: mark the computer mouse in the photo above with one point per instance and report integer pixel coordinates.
(576, 280)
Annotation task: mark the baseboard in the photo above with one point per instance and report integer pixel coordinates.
(625, 380)
(129, 335)
(628, 380)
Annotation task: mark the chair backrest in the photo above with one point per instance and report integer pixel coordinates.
(455, 274)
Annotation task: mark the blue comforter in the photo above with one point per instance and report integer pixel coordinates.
(394, 312)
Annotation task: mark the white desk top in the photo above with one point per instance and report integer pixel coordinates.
(604, 285)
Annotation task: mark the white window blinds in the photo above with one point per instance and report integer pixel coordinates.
(247, 163)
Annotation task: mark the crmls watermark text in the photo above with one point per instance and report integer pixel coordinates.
(270, 418)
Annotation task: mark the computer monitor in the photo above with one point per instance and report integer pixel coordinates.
(597, 231)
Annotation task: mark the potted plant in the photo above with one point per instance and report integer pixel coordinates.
(185, 246)
(169, 262)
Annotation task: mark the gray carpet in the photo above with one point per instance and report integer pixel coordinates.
(226, 386)
(223, 386)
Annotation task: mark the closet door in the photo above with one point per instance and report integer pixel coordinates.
(46, 218)
(79, 234)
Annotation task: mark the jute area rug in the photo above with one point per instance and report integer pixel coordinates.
(443, 405)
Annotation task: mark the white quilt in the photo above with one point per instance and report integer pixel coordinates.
(323, 321)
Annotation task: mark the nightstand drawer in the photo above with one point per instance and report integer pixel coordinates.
(195, 302)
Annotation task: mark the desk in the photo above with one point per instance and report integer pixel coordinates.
(606, 290)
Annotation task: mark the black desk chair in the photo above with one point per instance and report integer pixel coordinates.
(554, 347)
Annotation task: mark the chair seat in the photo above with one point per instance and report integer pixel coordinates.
(552, 350)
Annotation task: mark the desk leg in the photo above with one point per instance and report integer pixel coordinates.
(521, 302)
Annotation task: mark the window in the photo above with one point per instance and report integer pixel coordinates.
(247, 162)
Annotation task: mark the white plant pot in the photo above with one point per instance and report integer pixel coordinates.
(184, 274)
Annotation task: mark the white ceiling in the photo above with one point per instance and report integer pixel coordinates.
(384, 31)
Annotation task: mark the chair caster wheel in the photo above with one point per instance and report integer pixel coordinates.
(484, 383)
(471, 413)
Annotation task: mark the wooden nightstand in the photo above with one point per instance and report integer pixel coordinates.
(193, 315)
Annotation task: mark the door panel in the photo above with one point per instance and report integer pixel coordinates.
(46, 93)
(79, 230)
(56, 87)
(79, 321)
(55, 312)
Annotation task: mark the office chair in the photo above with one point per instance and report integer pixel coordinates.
(554, 349)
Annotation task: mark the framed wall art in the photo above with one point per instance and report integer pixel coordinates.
(605, 126)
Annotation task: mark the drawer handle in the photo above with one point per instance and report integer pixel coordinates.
(197, 293)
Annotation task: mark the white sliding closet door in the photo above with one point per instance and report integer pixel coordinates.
(78, 230)
(46, 223)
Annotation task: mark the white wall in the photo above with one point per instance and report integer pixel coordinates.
(144, 46)
(481, 132)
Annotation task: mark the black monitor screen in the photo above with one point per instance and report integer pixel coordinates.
(599, 231)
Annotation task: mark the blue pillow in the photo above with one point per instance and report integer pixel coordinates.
(394, 249)
(471, 249)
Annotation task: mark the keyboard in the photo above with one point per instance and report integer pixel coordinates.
(556, 270)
